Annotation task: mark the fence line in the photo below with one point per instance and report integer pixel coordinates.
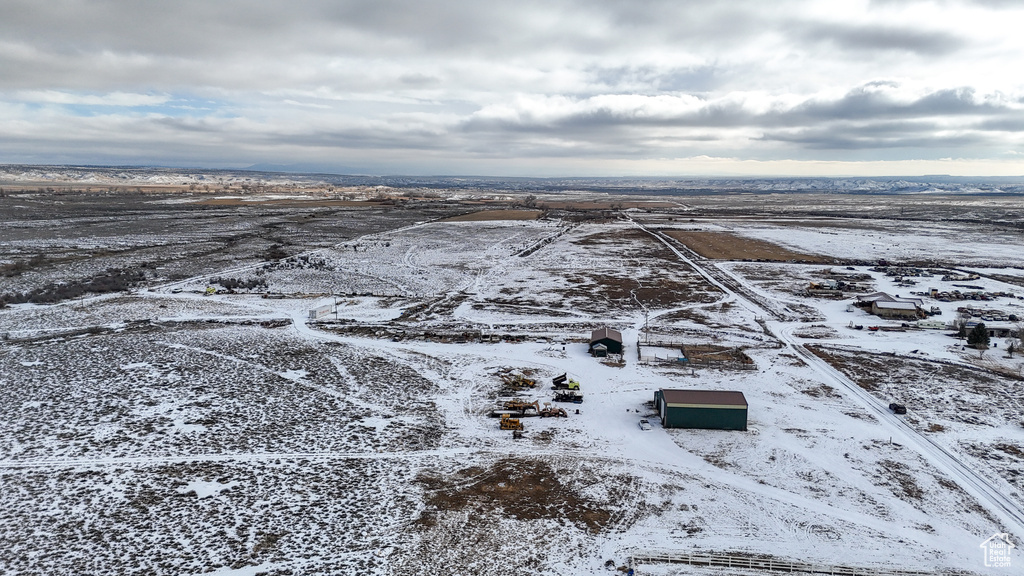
(772, 564)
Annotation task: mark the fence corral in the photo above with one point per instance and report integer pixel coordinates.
(697, 356)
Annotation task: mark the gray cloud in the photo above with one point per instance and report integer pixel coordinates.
(588, 82)
(877, 137)
(983, 3)
(879, 38)
(698, 79)
(863, 103)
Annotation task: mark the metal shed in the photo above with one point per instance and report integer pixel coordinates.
(707, 409)
(894, 309)
(612, 339)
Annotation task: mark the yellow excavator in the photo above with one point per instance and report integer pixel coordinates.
(518, 381)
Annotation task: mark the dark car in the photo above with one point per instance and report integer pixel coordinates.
(898, 408)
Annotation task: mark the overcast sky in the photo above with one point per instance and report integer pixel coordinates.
(546, 88)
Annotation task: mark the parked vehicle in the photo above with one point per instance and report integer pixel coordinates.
(574, 396)
(897, 408)
(644, 424)
(563, 382)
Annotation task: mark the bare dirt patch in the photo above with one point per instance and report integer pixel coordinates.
(1005, 456)
(714, 354)
(725, 246)
(713, 315)
(822, 391)
(864, 371)
(638, 269)
(491, 215)
(900, 479)
(817, 331)
(516, 488)
(489, 518)
(659, 290)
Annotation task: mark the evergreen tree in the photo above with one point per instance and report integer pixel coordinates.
(978, 336)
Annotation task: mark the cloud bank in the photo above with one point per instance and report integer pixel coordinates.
(559, 87)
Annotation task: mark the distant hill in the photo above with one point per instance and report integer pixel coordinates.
(312, 173)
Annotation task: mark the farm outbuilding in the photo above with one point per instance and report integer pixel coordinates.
(610, 339)
(706, 409)
(995, 331)
(894, 309)
(320, 312)
(886, 306)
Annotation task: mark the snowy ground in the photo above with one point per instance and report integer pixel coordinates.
(873, 239)
(174, 433)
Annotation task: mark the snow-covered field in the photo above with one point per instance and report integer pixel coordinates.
(168, 432)
(888, 239)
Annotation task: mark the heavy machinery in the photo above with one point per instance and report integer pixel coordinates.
(574, 396)
(520, 405)
(552, 412)
(518, 381)
(508, 423)
(563, 382)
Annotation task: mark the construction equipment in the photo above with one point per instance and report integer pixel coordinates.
(563, 382)
(574, 396)
(552, 412)
(520, 405)
(518, 381)
(508, 423)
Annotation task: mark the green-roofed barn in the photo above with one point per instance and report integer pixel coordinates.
(707, 409)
